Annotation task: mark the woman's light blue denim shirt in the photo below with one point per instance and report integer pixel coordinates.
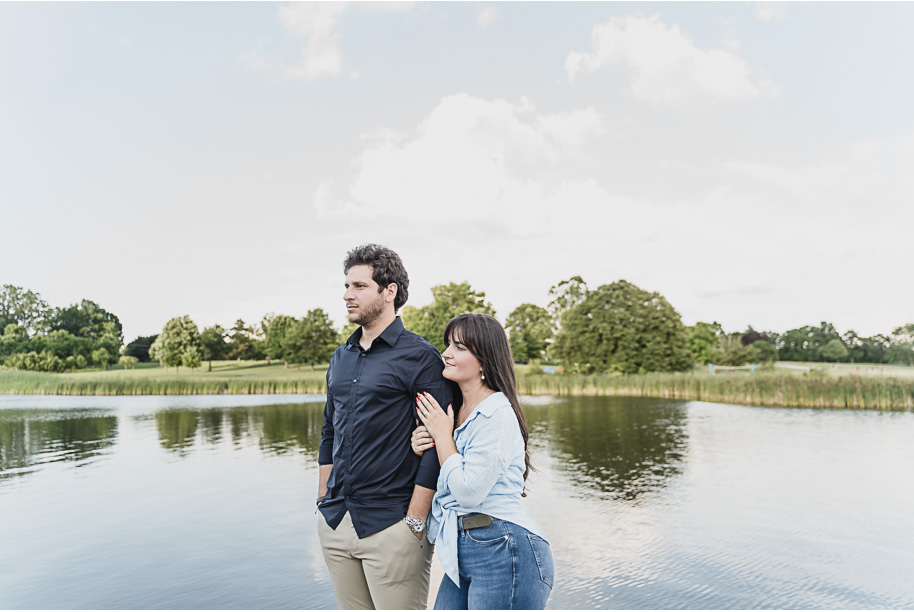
(487, 476)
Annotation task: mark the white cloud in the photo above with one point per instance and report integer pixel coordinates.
(667, 69)
(317, 23)
(486, 16)
(483, 159)
(320, 55)
(771, 9)
(387, 7)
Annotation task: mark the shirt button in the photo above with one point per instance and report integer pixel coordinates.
(355, 380)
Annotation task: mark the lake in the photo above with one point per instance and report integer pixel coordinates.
(208, 502)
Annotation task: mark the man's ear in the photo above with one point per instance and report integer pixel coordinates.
(391, 292)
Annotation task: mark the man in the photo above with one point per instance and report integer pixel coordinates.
(374, 493)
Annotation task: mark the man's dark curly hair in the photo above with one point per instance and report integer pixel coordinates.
(386, 268)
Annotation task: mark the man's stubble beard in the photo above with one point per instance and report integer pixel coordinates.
(371, 313)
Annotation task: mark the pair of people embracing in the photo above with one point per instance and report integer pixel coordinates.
(389, 490)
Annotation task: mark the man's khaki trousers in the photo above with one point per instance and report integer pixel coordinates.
(387, 570)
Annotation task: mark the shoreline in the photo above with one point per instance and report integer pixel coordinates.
(764, 389)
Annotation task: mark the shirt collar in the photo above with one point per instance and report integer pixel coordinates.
(487, 407)
(390, 335)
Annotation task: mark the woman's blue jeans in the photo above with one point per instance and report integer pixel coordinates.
(502, 567)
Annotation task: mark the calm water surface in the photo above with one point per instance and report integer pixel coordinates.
(208, 502)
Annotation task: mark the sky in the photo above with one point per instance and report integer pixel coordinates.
(751, 162)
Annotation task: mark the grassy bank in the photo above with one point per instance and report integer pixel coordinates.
(760, 389)
(778, 388)
(227, 377)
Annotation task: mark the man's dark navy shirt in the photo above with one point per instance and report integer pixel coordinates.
(368, 421)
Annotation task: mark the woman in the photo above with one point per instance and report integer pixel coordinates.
(494, 555)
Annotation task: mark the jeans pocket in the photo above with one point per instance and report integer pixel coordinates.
(543, 555)
(488, 535)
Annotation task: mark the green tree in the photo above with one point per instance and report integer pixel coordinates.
(758, 352)
(765, 352)
(15, 340)
(191, 357)
(212, 340)
(275, 329)
(310, 340)
(821, 336)
(64, 344)
(794, 345)
(243, 342)
(729, 343)
(37, 362)
(22, 307)
(806, 343)
(179, 337)
(87, 320)
(622, 328)
(854, 345)
(139, 348)
(566, 295)
(530, 330)
(873, 349)
(448, 301)
(704, 342)
(127, 361)
(834, 350)
(110, 340)
(901, 346)
(101, 357)
(866, 350)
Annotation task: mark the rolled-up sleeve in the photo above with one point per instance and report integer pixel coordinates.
(431, 381)
(471, 476)
(325, 452)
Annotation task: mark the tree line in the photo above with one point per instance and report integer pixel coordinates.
(622, 328)
(310, 340)
(39, 337)
(617, 327)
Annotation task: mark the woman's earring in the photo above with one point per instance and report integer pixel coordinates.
(483, 377)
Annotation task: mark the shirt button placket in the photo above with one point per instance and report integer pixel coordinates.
(358, 373)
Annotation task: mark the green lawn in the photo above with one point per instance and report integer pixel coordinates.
(861, 369)
(221, 369)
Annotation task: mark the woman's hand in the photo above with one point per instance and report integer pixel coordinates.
(438, 424)
(421, 440)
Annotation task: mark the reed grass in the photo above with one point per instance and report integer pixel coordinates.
(759, 389)
(128, 383)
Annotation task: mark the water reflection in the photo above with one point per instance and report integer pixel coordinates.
(29, 438)
(275, 429)
(623, 447)
(177, 429)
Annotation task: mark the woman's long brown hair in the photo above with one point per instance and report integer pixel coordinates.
(486, 339)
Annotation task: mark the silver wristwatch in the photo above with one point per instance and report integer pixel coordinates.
(417, 525)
